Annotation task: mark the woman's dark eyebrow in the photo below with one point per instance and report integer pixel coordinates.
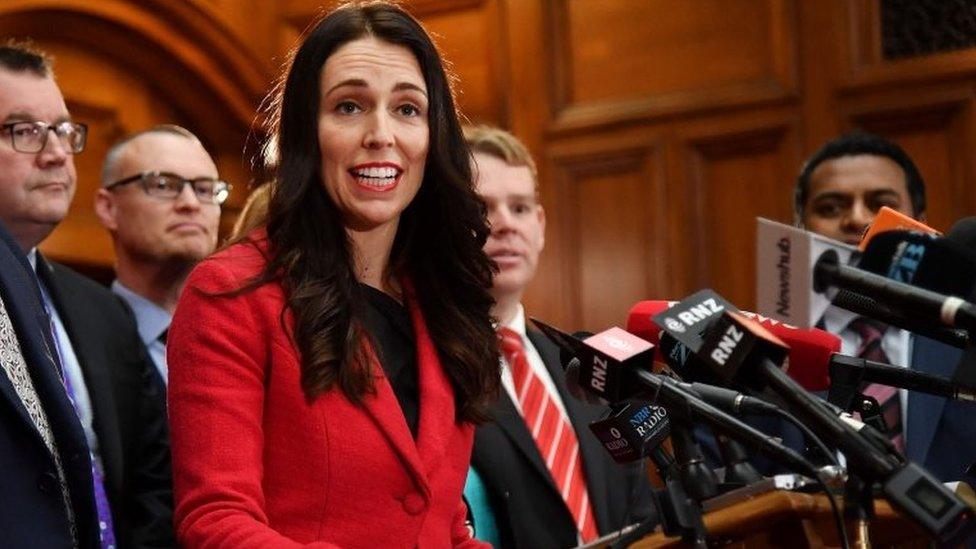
(360, 83)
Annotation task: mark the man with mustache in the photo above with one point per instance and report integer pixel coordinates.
(105, 370)
(160, 200)
(539, 477)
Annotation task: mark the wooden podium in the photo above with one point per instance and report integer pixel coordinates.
(793, 520)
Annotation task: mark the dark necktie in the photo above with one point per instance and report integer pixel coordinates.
(872, 333)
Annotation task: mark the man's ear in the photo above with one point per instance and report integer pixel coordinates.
(542, 221)
(106, 209)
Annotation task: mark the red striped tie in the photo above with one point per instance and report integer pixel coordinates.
(872, 333)
(553, 434)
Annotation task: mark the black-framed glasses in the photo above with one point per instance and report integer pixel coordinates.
(31, 137)
(168, 185)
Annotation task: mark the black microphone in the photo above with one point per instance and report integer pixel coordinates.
(742, 352)
(612, 367)
(964, 232)
(949, 310)
(924, 260)
(630, 430)
(688, 367)
(633, 430)
(856, 372)
(865, 306)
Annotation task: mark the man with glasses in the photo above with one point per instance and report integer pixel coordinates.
(105, 371)
(160, 199)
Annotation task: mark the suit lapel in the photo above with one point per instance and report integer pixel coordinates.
(24, 305)
(507, 417)
(437, 408)
(87, 343)
(28, 327)
(925, 411)
(580, 416)
(437, 404)
(388, 416)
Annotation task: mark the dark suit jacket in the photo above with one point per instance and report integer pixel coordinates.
(527, 505)
(32, 513)
(128, 405)
(941, 434)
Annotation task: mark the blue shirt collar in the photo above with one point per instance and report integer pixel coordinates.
(151, 319)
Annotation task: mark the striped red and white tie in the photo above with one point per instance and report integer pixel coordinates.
(553, 434)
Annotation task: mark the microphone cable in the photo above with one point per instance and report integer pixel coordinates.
(811, 438)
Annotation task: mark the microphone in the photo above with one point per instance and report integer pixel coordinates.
(633, 430)
(620, 374)
(923, 260)
(785, 257)
(950, 310)
(629, 431)
(865, 306)
(798, 273)
(855, 372)
(809, 349)
(964, 232)
(889, 219)
(745, 354)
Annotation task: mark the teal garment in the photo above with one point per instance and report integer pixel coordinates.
(483, 516)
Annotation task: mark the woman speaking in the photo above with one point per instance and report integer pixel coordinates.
(327, 369)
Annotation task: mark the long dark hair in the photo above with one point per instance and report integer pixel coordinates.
(438, 243)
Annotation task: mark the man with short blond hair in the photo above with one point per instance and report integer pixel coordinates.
(539, 477)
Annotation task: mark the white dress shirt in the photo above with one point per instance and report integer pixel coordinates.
(535, 362)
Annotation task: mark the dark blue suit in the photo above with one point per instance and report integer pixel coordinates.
(32, 513)
(940, 434)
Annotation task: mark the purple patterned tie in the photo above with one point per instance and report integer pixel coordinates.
(105, 530)
(872, 332)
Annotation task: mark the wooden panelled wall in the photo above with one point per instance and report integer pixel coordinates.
(662, 127)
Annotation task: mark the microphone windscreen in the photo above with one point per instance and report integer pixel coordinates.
(573, 384)
(640, 322)
(964, 232)
(922, 260)
(566, 356)
(809, 353)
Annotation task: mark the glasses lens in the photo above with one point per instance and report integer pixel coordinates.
(211, 191)
(72, 136)
(221, 192)
(162, 185)
(28, 136)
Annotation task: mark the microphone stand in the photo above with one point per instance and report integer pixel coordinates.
(738, 471)
(678, 512)
(688, 483)
(859, 506)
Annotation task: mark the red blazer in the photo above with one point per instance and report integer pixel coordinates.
(256, 465)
